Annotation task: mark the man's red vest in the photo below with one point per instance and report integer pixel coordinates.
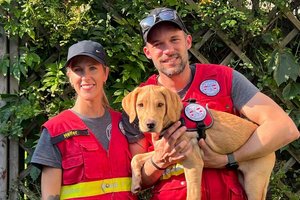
(211, 86)
(89, 171)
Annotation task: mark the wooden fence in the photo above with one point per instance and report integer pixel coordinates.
(11, 179)
(9, 149)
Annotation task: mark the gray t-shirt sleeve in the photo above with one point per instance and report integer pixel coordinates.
(45, 153)
(242, 90)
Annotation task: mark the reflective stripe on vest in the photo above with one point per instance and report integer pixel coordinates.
(94, 188)
(174, 170)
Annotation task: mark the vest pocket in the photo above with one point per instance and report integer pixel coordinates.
(72, 169)
(93, 166)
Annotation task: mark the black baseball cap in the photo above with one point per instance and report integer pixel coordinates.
(87, 48)
(157, 16)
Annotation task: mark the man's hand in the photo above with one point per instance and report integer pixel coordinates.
(171, 148)
(212, 159)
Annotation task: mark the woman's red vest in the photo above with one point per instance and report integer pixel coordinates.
(89, 171)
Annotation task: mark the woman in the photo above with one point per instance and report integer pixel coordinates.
(82, 152)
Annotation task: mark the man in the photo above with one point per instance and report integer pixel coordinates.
(221, 88)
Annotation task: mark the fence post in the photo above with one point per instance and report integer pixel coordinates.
(13, 143)
(3, 139)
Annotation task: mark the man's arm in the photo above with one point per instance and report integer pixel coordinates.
(276, 129)
(51, 183)
(168, 150)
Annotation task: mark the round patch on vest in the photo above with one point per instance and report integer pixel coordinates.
(121, 127)
(210, 87)
(108, 131)
(195, 112)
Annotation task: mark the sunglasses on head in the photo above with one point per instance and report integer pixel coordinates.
(149, 21)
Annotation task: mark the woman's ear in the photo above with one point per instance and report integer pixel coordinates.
(68, 75)
(68, 71)
(106, 72)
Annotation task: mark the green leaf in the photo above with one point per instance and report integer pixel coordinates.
(284, 66)
(31, 34)
(15, 71)
(35, 173)
(291, 90)
(23, 69)
(4, 64)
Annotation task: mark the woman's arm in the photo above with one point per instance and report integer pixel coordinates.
(51, 183)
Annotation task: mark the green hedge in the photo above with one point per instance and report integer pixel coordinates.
(45, 29)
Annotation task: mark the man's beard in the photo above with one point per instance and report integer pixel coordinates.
(174, 71)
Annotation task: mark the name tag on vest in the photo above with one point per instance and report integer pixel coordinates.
(67, 135)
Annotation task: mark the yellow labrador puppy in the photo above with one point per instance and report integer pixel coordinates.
(156, 107)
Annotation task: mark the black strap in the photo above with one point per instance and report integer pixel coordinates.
(155, 165)
(201, 130)
(232, 164)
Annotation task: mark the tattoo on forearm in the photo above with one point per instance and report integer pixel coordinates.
(52, 197)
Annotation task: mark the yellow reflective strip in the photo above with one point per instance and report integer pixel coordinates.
(94, 188)
(174, 170)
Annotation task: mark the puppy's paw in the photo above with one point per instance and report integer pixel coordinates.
(136, 184)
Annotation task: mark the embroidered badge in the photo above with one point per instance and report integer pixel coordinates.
(108, 131)
(195, 112)
(121, 127)
(210, 87)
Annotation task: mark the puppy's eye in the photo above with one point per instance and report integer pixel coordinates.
(160, 105)
(140, 105)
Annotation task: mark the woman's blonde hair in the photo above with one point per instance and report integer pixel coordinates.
(105, 101)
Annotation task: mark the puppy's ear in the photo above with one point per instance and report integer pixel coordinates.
(173, 104)
(128, 104)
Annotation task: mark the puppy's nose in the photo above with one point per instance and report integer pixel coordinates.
(151, 125)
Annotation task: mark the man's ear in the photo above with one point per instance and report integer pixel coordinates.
(189, 41)
(147, 52)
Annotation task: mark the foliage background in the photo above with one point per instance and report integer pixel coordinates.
(45, 30)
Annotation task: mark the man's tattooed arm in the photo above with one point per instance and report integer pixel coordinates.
(52, 197)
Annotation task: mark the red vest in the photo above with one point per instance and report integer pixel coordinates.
(211, 86)
(89, 171)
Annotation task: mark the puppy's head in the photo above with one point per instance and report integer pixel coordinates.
(156, 107)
